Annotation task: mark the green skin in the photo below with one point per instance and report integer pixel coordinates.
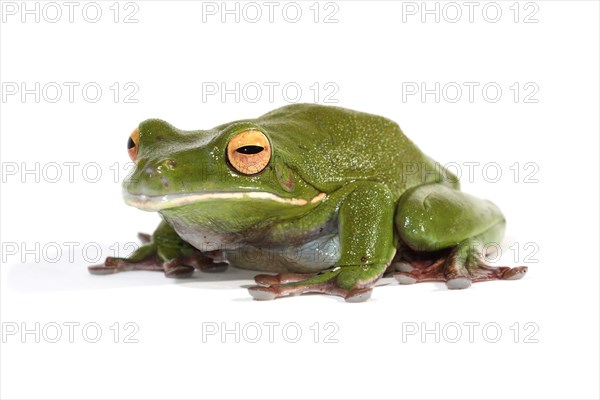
(333, 173)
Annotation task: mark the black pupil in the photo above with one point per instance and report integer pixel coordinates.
(250, 149)
(130, 144)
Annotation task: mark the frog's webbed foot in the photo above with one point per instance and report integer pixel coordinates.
(457, 272)
(353, 283)
(268, 280)
(175, 263)
(183, 267)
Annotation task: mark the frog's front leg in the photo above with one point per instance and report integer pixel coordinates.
(367, 245)
(163, 251)
(436, 218)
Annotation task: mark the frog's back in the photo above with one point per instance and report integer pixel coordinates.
(331, 146)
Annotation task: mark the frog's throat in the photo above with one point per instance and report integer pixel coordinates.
(157, 203)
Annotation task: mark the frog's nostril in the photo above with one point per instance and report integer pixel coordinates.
(149, 171)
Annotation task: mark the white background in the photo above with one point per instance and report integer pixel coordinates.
(368, 54)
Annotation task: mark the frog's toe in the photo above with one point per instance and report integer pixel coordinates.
(175, 270)
(115, 264)
(183, 267)
(484, 272)
(514, 273)
(461, 282)
(268, 280)
(214, 267)
(416, 272)
(403, 266)
(263, 293)
(405, 278)
(359, 295)
(457, 276)
(101, 269)
(110, 266)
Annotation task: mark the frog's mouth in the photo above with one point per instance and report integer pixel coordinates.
(157, 203)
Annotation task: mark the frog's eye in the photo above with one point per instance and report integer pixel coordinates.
(249, 152)
(133, 144)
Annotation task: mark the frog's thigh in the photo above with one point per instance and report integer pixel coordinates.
(434, 217)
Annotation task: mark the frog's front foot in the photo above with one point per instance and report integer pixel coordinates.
(353, 283)
(175, 262)
(456, 271)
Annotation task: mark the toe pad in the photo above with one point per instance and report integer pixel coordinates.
(262, 293)
(458, 283)
(404, 279)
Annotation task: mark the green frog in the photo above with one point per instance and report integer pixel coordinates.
(324, 198)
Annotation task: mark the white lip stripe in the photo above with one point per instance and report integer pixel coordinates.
(155, 203)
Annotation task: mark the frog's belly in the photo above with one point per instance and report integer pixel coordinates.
(313, 256)
(307, 252)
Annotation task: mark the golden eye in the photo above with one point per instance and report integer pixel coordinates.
(249, 152)
(133, 144)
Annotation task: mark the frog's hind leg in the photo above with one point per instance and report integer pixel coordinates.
(446, 232)
(453, 270)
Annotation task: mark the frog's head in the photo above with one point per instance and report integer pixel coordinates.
(231, 177)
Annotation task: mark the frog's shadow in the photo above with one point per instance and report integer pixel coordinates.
(64, 276)
(197, 282)
(45, 277)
